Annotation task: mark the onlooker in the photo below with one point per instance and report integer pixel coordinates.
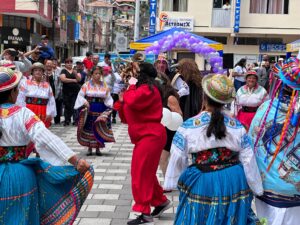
(33, 55)
(49, 74)
(239, 74)
(23, 65)
(106, 61)
(88, 62)
(226, 6)
(46, 51)
(70, 79)
(95, 59)
(262, 74)
(191, 104)
(80, 69)
(58, 91)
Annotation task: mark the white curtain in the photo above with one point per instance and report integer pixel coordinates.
(258, 6)
(167, 5)
(276, 6)
(182, 5)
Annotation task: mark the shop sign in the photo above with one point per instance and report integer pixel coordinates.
(167, 22)
(267, 47)
(15, 36)
(152, 18)
(237, 13)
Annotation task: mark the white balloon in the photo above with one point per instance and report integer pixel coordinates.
(176, 121)
(166, 118)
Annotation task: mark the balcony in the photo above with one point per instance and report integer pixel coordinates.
(221, 18)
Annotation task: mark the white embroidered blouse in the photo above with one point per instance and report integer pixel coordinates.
(191, 138)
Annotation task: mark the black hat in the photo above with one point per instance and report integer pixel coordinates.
(79, 63)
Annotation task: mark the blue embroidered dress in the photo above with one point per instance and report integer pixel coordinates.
(214, 189)
(33, 191)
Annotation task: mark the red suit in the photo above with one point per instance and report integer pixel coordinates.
(142, 111)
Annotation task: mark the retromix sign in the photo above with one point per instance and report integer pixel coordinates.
(15, 36)
(167, 22)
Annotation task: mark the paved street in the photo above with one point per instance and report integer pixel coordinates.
(110, 200)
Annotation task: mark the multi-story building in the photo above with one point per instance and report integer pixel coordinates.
(22, 22)
(247, 28)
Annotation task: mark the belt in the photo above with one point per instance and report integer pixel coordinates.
(94, 99)
(36, 101)
(249, 109)
(12, 153)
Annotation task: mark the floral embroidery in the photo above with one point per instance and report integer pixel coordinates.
(7, 112)
(36, 101)
(216, 158)
(179, 141)
(12, 153)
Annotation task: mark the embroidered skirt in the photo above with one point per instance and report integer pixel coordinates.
(221, 197)
(35, 192)
(41, 111)
(91, 132)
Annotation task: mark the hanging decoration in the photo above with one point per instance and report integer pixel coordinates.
(188, 41)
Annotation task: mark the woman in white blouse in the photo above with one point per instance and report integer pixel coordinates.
(217, 187)
(94, 127)
(36, 94)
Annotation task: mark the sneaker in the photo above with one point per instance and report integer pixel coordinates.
(142, 219)
(158, 210)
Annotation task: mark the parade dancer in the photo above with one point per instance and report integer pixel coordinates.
(36, 94)
(214, 189)
(248, 98)
(34, 191)
(275, 138)
(141, 108)
(94, 128)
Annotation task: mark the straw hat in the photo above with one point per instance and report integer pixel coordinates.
(37, 65)
(9, 78)
(219, 88)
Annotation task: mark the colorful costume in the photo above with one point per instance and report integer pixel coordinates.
(91, 132)
(280, 203)
(142, 111)
(38, 97)
(32, 191)
(214, 189)
(247, 102)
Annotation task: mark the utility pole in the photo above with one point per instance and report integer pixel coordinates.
(137, 20)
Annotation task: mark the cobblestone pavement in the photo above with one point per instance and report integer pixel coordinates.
(110, 200)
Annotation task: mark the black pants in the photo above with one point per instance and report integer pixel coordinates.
(115, 98)
(69, 102)
(59, 106)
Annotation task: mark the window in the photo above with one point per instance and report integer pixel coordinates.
(269, 6)
(222, 40)
(175, 5)
(218, 4)
(14, 21)
(256, 41)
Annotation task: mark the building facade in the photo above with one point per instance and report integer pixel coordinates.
(247, 28)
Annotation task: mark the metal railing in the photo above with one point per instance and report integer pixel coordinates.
(221, 18)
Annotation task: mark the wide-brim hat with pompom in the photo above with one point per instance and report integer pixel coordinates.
(37, 65)
(8, 64)
(251, 73)
(219, 88)
(9, 78)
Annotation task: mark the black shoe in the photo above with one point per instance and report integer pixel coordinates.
(114, 120)
(142, 219)
(74, 124)
(89, 154)
(66, 124)
(98, 153)
(158, 210)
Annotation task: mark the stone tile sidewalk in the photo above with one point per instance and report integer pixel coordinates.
(110, 200)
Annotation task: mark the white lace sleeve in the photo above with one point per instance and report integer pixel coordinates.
(247, 158)
(51, 106)
(178, 161)
(80, 100)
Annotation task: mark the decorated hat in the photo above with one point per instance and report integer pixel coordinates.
(251, 73)
(162, 57)
(37, 65)
(289, 73)
(9, 78)
(8, 64)
(219, 88)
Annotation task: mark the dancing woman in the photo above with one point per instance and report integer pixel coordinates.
(33, 191)
(94, 128)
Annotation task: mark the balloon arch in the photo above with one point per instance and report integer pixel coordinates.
(180, 39)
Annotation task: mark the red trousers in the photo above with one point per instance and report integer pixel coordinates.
(149, 141)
